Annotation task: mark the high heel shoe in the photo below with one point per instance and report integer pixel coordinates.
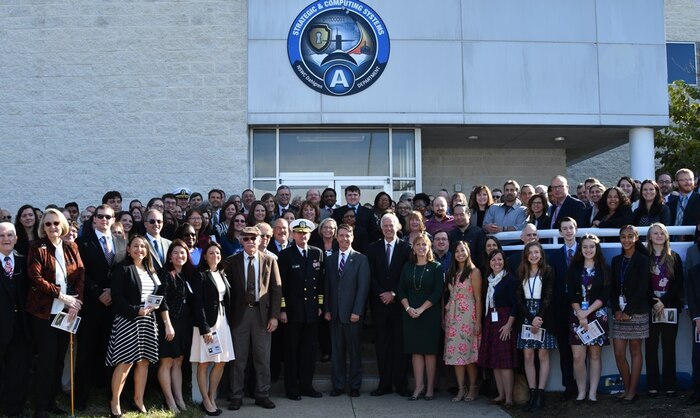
(111, 414)
(460, 394)
(473, 393)
(209, 413)
(417, 396)
(136, 408)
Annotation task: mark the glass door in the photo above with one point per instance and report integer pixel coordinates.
(369, 189)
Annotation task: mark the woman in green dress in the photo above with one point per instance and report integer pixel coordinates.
(420, 289)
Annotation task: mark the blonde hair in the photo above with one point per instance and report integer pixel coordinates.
(666, 255)
(65, 228)
(430, 256)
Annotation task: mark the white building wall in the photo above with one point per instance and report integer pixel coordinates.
(137, 96)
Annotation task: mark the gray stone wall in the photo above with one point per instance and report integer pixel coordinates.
(445, 167)
(139, 96)
(607, 167)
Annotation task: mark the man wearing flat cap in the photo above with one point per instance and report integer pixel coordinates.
(256, 291)
(301, 269)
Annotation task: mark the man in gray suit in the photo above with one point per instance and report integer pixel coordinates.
(347, 287)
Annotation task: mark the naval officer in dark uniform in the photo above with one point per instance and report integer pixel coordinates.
(301, 270)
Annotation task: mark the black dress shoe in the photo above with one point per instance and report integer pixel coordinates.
(630, 401)
(569, 394)
(265, 403)
(211, 413)
(404, 393)
(312, 393)
(354, 393)
(234, 405)
(337, 392)
(670, 393)
(380, 392)
(294, 397)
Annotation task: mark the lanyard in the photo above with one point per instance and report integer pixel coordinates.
(534, 282)
(625, 265)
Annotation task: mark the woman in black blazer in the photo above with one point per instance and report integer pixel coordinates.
(588, 282)
(211, 304)
(614, 209)
(175, 335)
(666, 281)
(134, 338)
(652, 207)
(629, 300)
(533, 294)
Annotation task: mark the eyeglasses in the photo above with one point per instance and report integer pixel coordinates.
(239, 221)
(7, 218)
(190, 234)
(155, 221)
(49, 224)
(246, 239)
(497, 196)
(103, 216)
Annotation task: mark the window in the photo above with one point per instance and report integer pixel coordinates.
(384, 159)
(681, 62)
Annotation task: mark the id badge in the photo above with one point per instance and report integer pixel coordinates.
(584, 305)
(623, 302)
(494, 316)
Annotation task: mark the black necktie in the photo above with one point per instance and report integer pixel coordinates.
(250, 282)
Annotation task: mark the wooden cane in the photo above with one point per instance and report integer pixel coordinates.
(72, 403)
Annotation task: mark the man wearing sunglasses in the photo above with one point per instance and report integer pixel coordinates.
(100, 252)
(256, 291)
(159, 245)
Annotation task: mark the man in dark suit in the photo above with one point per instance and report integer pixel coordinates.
(283, 197)
(100, 252)
(474, 236)
(563, 204)
(347, 287)
(692, 297)
(387, 258)
(364, 218)
(560, 259)
(685, 208)
(158, 245)
(280, 236)
(15, 346)
(256, 293)
(301, 269)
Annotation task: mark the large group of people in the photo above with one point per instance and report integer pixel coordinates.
(249, 290)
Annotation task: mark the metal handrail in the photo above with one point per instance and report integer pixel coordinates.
(678, 246)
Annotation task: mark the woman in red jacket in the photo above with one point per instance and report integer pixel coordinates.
(56, 278)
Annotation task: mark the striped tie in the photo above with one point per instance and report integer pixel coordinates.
(342, 263)
(106, 247)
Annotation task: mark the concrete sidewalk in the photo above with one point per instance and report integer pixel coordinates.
(366, 406)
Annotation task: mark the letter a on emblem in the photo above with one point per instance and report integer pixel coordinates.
(339, 78)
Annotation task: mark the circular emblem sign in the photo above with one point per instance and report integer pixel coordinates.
(338, 47)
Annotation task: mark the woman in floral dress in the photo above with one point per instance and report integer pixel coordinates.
(463, 312)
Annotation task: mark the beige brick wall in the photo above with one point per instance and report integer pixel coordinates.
(682, 20)
(445, 167)
(137, 96)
